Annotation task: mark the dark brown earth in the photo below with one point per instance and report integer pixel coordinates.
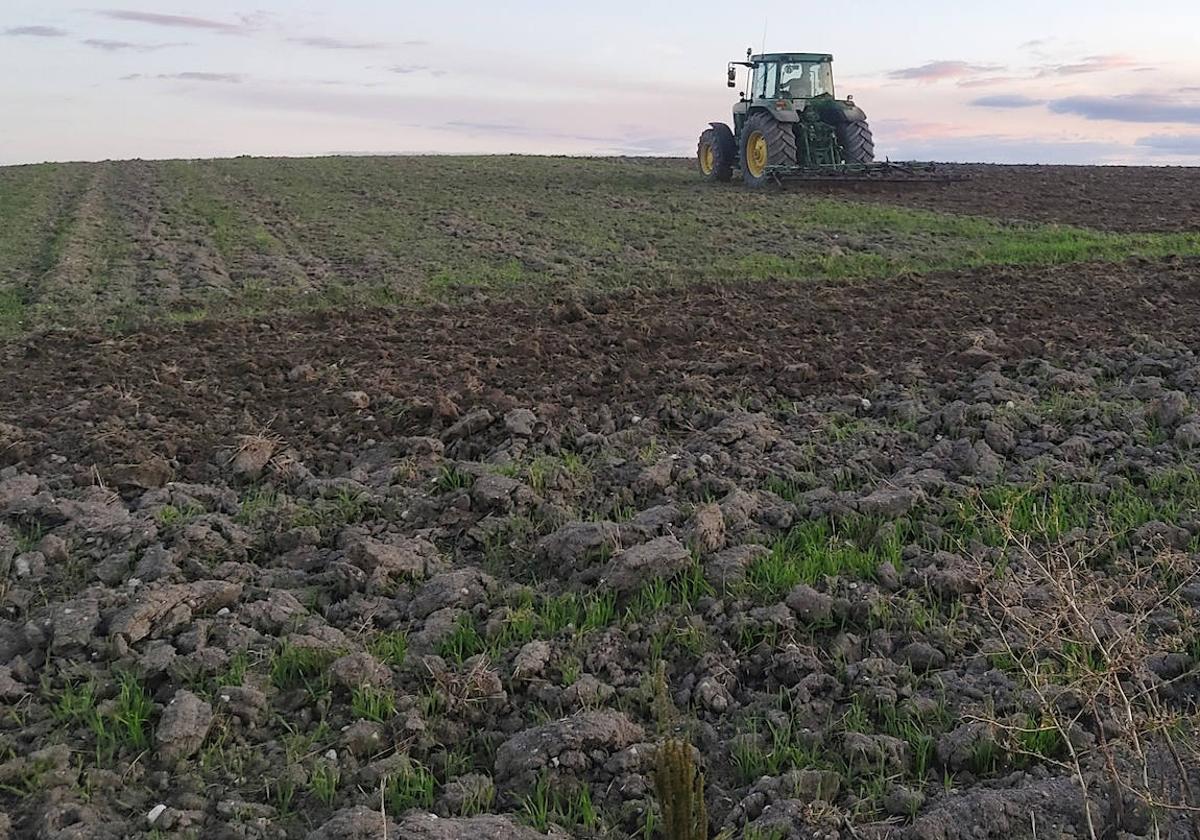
(1115, 198)
(179, 392)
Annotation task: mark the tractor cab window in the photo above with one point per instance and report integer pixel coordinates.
(806, 79)
(766, 80)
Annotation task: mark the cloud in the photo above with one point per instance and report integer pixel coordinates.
(936, 71)
(985, 81)
(1006, 100)
(1134, 109)
(1090, 64)
(227, 78)
(1183, 145)
(36, 31)
(122, 46)
(412, 69)
(173, 21)
(1036, 42)
(326, 43)
(344, 83)
(191, 76)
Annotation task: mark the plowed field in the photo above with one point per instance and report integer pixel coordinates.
(420, 497)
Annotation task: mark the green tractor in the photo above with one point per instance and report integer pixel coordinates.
(789, 125)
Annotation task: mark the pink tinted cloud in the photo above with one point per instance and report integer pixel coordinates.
(325, 42)
(902, 129)
(173, 21)
(985, 81)
(937, 71)
(1090, 64)
(120, 46)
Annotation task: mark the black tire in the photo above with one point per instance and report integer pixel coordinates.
(781, 148)
(858, 144)
(719, 141)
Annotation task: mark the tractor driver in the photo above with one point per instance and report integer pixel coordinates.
(798, 86)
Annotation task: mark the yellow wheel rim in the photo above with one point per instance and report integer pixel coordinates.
(708, 160)
(756, 154)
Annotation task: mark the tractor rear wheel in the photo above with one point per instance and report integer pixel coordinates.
(858, 145)
(766, 142)
(717, 153)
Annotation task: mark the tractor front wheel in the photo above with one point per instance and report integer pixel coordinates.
(766, 142)
(716, 153)
(858, 145)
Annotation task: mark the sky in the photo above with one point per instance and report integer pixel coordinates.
(1054, 81)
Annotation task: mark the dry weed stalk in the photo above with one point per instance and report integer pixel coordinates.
(477, 684)
(1078, 637)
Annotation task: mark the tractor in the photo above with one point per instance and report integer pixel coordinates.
(790, 124)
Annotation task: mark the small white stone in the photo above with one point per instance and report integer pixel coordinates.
(636, 419)
(866, 403)
(1010, 404)
(223, 611)
(331, 755)
(155, 813)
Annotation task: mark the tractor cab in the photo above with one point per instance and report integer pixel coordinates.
(784, 84)
(790, 76)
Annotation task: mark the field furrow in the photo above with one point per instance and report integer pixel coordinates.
(37, 206)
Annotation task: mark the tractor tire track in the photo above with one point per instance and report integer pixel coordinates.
(44, 227)
(258, 254)
(337, 262)
(77, 260)
(178, 266)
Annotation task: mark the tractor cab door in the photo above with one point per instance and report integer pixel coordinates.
(766, 80)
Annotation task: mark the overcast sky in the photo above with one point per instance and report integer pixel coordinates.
(1051, 81)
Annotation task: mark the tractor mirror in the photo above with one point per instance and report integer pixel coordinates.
(732, 77)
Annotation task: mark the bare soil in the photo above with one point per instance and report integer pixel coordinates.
(901, 558)
(786, 340)
(1116, 198)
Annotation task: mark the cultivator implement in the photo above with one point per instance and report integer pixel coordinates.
(883, 172)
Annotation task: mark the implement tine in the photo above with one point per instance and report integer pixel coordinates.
(885, 171)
